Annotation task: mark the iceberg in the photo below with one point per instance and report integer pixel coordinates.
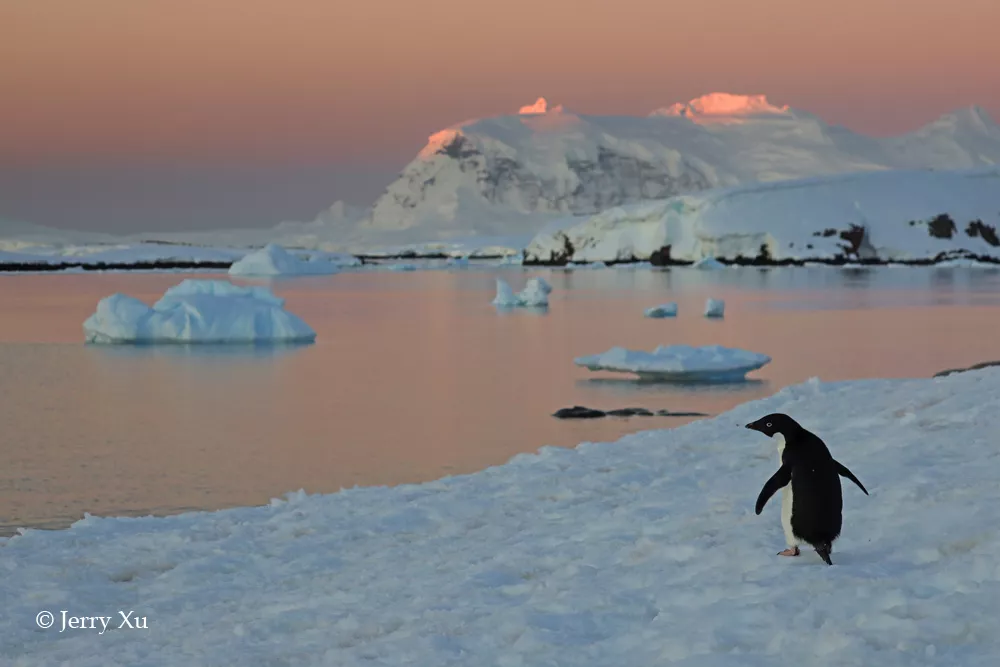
(198, 311)
(708, 264)
(273, 260)
(665, 310)
(678, 363)
(534, 295)
(715, 308)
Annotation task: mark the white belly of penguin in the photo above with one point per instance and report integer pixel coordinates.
(786, 500)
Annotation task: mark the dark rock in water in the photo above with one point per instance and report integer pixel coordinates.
(668, 413)
(578, 412)
(581, 412)
(631, 412)
(975, 367)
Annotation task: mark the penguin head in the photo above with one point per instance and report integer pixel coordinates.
(774, 423)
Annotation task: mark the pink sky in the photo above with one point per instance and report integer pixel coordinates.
(305, 81)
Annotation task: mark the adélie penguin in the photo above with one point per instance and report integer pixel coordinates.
(809, 476)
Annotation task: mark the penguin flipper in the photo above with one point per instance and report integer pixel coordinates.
(771, 486)
(844, 472)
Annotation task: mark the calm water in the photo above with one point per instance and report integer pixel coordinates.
(415, 376)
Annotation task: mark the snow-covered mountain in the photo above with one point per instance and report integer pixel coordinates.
(884, 215)
(509, 174)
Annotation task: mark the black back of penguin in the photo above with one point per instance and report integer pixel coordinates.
(817, 498)
(818, 503)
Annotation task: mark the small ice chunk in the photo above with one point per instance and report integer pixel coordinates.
(535, 294)
(715, 308)
(665, 310)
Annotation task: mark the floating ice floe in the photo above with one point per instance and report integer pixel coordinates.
(678, 363)
(665, 310)
(534, 295)
(715, 308)
(273, 260)
(198, 311)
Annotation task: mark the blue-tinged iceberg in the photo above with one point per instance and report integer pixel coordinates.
(198, 311)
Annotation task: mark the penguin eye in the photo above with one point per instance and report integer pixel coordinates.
(769, 424)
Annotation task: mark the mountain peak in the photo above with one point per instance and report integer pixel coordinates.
(973, 117)
(541, 106)
(722, 107)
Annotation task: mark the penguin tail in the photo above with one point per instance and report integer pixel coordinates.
(824, 552)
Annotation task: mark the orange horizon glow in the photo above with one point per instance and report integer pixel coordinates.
(308, 80)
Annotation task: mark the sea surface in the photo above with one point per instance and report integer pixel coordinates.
(415, 375)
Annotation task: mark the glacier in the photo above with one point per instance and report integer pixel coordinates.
(921, 215)
(198, 311)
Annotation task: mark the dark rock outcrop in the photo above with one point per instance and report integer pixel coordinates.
(581, 412)
(987, 232)
(974, 367)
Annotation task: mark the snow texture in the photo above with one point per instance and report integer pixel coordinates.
(534, 295)
(641, 552)
(198, 311)
(715, 308)
(889, 215)
(666, 310)
(273, 260)
(679, 363)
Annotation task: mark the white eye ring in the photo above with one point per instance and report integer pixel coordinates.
(769, 424)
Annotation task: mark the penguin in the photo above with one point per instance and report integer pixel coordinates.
(809, 477)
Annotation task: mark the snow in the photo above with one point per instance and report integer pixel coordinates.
(715, 307)
(198, 311)
(800, 219)
(709, 264)
(273, 260)
(679, 363)
(666, 310)
(641, 552)
(534, 295)
(541, 106)
(723, 108)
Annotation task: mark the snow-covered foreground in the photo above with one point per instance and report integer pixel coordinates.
(640, 552)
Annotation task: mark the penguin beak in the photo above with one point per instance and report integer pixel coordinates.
(750, 426)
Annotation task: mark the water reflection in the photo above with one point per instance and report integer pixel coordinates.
(627, 386)
(414, 375)
(200, 352)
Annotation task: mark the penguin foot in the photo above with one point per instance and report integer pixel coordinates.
(824, 552)
(790, 551)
